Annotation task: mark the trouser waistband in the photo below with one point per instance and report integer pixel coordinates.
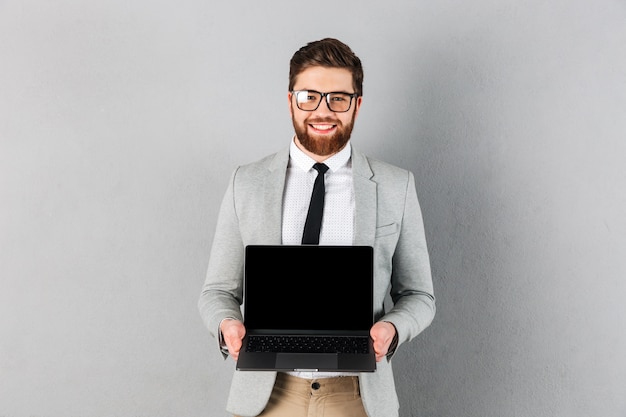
(321, 386)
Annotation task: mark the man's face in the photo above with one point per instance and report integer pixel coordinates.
(323, 132)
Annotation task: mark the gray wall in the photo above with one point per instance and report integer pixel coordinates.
(120, 122)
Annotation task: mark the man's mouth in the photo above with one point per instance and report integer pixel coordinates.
(322, 128)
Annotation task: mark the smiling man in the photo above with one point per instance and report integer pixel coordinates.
(323, 130)
(364, 202)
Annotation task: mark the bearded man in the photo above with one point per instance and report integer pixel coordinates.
(366, 202)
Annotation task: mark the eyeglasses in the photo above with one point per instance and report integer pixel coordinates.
(309, 100)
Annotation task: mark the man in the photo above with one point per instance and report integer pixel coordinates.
(367, 202)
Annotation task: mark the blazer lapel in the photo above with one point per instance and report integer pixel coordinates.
(273, 197)
(365, 200)
(364, 192)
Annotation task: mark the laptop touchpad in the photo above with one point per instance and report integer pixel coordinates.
(306, 361)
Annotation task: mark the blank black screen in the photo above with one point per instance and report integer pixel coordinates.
(308, 287)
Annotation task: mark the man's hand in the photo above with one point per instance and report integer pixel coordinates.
(382, 333)
(233, 332)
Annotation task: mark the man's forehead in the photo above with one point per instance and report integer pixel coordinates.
(324, 77)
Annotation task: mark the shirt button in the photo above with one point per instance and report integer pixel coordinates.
(315, 385)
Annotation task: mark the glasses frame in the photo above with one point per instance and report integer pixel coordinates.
(327, 95)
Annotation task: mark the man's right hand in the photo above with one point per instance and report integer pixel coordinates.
(233, 332)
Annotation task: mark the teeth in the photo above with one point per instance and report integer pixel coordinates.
(323, 127)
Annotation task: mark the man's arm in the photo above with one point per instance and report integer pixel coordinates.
(222, 293)
(411, 282)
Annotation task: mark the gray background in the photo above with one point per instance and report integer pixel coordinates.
(120, 122)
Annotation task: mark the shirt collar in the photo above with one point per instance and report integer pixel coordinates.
(305, 163)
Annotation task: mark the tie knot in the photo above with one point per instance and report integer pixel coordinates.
(321, 168)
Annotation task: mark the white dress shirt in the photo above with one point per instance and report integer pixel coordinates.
(338, 218)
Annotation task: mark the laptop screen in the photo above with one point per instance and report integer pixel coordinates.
(308, 288)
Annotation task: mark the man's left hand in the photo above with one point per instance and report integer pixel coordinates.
(382, 334)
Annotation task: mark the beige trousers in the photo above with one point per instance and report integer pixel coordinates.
(325, 397)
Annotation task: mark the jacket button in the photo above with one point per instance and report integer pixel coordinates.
(315, 385)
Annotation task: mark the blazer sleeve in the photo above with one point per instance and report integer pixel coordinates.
(411, 282)
(222, 292)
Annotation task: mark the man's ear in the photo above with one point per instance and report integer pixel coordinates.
(357, 106)
(289, 95)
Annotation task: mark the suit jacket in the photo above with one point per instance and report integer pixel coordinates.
(387, 217)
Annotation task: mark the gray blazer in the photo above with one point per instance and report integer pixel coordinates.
(387, 217)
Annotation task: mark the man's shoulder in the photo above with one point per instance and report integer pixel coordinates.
(382, 169)
(268, 162)
(259, 163)
(380, 165)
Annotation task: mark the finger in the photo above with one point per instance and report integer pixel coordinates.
(233, 345)
(234, 332)
(381, 347)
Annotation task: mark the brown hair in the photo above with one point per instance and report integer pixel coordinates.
(329, 53)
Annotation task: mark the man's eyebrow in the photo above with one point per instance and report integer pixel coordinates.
(322, 92)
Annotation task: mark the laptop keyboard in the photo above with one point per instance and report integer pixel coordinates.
(304, 344)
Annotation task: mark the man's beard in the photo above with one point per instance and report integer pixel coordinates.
(323, 146)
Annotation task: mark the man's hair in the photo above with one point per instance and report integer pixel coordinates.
(329, 53)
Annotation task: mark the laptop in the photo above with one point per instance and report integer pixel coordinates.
(308, 308)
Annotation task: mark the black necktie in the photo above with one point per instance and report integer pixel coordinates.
(313, 223)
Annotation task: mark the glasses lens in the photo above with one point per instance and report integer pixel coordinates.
(339, 102)
(308, 100)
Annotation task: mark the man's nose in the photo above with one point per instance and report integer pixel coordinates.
(324, 108)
